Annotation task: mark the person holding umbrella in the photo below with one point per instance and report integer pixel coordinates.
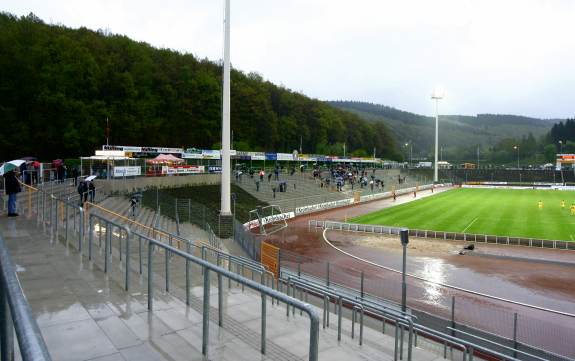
(11, 184)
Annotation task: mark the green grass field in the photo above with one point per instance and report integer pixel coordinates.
(503, 212)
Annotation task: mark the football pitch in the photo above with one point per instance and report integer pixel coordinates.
(502, 212)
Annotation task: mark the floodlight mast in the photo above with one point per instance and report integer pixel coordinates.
(436, 96)
(225, 153)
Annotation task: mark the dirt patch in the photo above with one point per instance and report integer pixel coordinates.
(392, 243)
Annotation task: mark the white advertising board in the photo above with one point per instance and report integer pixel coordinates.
(322, 206)
(191, 169)
(128, 171)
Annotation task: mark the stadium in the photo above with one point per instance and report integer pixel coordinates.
(157, 205)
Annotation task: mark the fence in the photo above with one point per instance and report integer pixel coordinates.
(111, 229)
(15, 315)
(449, 236)
(536, 330)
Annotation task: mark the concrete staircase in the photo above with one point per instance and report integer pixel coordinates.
(303, 189)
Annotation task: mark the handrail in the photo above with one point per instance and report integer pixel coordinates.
(263, 290)
(495, 343)
(30, 341)
(562, 313)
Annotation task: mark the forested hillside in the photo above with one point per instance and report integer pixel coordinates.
(459, 136)
(58, 85)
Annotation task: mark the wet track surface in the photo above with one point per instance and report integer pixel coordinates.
(539, 277)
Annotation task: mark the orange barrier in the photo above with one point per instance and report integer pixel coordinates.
(270, 258)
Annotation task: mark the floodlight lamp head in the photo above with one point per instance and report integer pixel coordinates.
(438, 93)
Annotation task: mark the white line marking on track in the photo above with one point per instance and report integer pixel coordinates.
(469, 225)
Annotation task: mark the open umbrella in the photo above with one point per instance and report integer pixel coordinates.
(90, 178)
(11, 165)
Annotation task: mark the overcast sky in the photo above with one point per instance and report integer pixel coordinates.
(490, 56)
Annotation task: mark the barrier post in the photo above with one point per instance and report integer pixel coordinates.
(206, 312)
(515, 335)
(404, 236)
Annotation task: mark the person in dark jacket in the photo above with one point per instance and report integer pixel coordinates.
(12, 187)
(83, 192)
(92, 191)
(75, 174)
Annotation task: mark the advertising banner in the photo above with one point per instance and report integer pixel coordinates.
(184, 169)
(129, 171)
(271, 156)
(284, 156)
(210, 154)
(322, 206)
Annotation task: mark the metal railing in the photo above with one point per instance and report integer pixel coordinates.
(477, 312)
(404, 322)
(16, 315)
(126, 237)
(448, 236)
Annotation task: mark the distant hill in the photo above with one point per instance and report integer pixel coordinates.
(455, 130)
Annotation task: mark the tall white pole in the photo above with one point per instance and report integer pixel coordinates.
(435, 177)
(225, 154)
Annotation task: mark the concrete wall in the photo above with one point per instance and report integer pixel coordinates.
(140, 183)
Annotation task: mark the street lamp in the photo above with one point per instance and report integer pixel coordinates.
(516, 147)
(410, 144)
(437, 95)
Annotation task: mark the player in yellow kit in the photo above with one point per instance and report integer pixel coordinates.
(540, 204)
(572, 209)
(562, 204)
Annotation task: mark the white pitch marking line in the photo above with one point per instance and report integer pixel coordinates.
(571, 237)
(469, 225)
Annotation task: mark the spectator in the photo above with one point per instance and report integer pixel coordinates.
(75, 175)
(12, 188)
(82, 191)
(92, 191)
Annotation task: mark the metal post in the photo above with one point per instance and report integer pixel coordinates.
(327, 274)
(404, 235)
(325, 309)
(188, 276)
(81, 230)
(107, 243)
(515, 335)
(127, 259)
(362, 281)
(206, 313)
(66, 224)
(339, 311)
(167, 262)
(150, 277)
(90, 237)
(220, 300)
(263, 335)
(6, 327)
(140, 253)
